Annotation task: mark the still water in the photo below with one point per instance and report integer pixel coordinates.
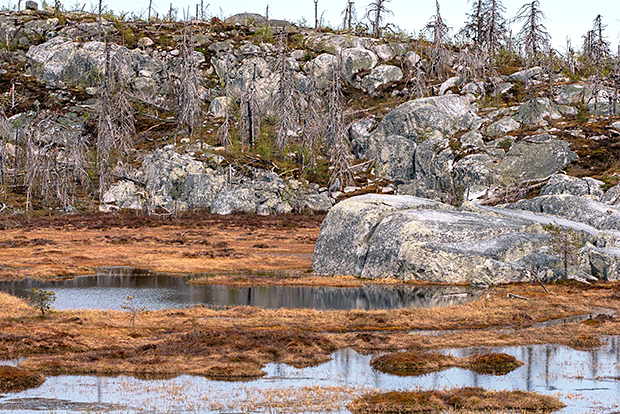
(109, 288)
(586, 381)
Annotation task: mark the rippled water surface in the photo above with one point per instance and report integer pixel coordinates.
(586, 381)
(109, 289)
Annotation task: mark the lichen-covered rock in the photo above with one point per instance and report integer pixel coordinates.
(502, 127)
(565, 184)
(218, 106)
(573, 94)
(334, 43)
(343, 242)
(449, 83)
(534, 112)
(416, 239)
(584, 210)
(531, 161)
(381, 75)
(604, 263)
(322, 69)
(526, 74)
(355, 60)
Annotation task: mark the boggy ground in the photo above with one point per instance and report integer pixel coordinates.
(65, 245)
(236, 343)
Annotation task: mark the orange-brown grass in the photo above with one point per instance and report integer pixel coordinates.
(238, 342)
(462, 399)
(196, 243)
(16, 379)
(412, 363)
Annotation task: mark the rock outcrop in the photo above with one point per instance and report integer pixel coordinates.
(411, 238)
(176, 182)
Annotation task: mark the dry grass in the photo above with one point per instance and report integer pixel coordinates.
(14, 379)
(414, 363)
(237, 342)
(64, 246)
(465, 399)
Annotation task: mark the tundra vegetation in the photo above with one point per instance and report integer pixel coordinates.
(64, 146)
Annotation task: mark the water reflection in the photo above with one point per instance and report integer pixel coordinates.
(586, 381)
(108, 289)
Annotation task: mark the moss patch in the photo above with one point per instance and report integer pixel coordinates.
(421, 362)
(14, 379)
(466, 399)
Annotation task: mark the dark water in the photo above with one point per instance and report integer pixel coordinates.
(586, 381)
(109, 289)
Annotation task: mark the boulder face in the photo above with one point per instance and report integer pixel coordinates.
(175, 182)
(410, 238)
(381, 75)
(61, 61)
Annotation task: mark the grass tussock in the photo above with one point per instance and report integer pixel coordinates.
(585, 342)
(464, 399)
(13, 379)
(413, 363)
(14, 307)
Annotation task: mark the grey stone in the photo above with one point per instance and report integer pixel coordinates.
(604, 263)
(534, 112)
(322, 69)
(394, 157)
(612, 196)
(125, 194)
(218, 106)
(32, 5)
(527, 74)
(433, 163)
(449, 83)
(415, 239)
(584, 210)
(412, 59)
(381, 75)
(145, 42)
(475, 88)
(565, 184)
(472, 139)
(573, 94)
(220, 47)
(531, 162)
(502, 127)
(298, 54)
(246, 19)
(343, 242)
(355, 60)
(334, 43)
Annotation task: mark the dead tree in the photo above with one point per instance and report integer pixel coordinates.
(313, 119)
(348, 15)
(533, 35)
(336, 133)
(438, 30)
(316, 14)
(250, 113)
(188, 101)
(223, 132)
(376, 13)
(285, 100)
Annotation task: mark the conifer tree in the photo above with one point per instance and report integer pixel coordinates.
(533, 35)
(335, 133)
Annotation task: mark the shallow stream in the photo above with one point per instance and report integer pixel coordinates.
(586, 381)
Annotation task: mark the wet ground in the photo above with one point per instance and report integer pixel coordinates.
(586, 381)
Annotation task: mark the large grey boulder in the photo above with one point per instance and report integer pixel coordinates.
(527, 161)
(415, 119)
(581, 209)
(381, 75)
(604, 263)
(612, 196)
(219, 105)
(534, 112)
(565, 184)
(433, 163)
(343, 242)
(411, 238)
(394, 157)
(355, 60)
(573, 94)
(389, 51)
(175, 182)
(321, 68)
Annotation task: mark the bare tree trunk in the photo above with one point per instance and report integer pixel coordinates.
(150, 8)
(316, 14)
